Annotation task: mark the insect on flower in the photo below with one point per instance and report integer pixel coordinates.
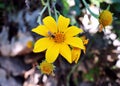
(51, 35)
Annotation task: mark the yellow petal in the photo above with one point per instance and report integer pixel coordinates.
(76, 54)
(50, 23)
(66, 52)
(42, 44)
(78, 57)
(63, 23)
(86, 41)
(41, 30)
(73, 54)
(52, 53)
(84, 50)
(72, 31)
(75, 42)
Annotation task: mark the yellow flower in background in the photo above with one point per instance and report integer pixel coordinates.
(56, 38)
(76, 52)
(46, 68)
(105, 19)
(29, 44)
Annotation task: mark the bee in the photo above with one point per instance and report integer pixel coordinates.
(51, 35)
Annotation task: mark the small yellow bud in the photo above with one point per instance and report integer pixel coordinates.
(46, 68)
(105, 18)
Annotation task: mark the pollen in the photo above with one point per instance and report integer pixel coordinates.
(46, 68)
(105, 18)
(59, 37)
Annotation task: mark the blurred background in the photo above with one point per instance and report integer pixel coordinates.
(100, 66)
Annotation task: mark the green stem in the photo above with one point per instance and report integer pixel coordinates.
(43, 3)
(93, 14)
(58, 12)
(41, 13)
(56, 16)
(49, 10)
(108, 7)
(70, 73)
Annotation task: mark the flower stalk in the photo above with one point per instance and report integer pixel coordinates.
(93, 14)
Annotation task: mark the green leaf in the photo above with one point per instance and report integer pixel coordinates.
(112, 1)
(65, 7)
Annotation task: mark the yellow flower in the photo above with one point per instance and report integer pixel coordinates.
(76, 52)
(29, 44)
(105, 19)
(56, 38)
(46, 68)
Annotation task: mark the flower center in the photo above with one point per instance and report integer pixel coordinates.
(59, 37)
(47, 69)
